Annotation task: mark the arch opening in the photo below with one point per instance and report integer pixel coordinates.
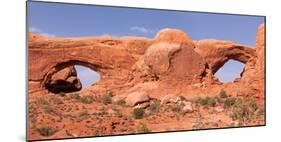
(70, 77)
(230, 71)
(87, 76)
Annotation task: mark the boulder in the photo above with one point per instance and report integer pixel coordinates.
(174, 36)
(172, 57)
(64, 81)
(187, 108)
(142, 105)
(158, 56)
(137, 98)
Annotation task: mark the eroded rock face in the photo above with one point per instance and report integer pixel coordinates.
(260, 40)
(64, 81)
(172, 57)
(172, 60)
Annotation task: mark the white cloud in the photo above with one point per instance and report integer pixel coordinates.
(38, 31)
(141, 29)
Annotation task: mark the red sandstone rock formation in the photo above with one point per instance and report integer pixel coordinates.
(164, 76)
(171, 57)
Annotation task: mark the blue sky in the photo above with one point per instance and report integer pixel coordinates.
(64, 20)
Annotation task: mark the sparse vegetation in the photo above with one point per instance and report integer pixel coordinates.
(183, 98)
(75, 96)
(106, 99)
(87, 99)
(154, 107)
(244, 109)
(121, 102)
(42, 101)
(51, 111)
(56, 101)
(119, 113)
(176, 108)
(46, 131)
(138, 113)
(110, 93)
(207, 101)
(142, 128)
(83, 115)
(223, 94)
(229, 102)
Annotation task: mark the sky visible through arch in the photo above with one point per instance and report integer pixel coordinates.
(67, 20)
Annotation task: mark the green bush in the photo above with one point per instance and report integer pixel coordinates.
(207, 101)
(121, 102)
(87, 99)
(223, 94)
(46, 131)
(229, 102)
(138, 113)
(106, 99)
(212, 102)
(142, 128)
(244, 110)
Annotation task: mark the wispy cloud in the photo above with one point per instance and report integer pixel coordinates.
(38, 31)
(142, 30)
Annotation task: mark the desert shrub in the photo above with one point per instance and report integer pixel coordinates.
(51, 111)
(87, 99)
(182, 98)
(223, 94)
(110, 93)
(75, 96)
(119, 113)
(46, 131)
(121, 102)
(212, 102)
(83, 115)
(138, 113)
(154, 107)
(106, 99)
(208, 101)
(229, 102)
(142, 128)
(259, 112)
(176, 108)
(56, 101)
(253, 103)
(42, 101)
(244, 110)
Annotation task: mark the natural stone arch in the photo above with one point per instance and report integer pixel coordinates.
(229, 74)
(59, 66)
(217, 53)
